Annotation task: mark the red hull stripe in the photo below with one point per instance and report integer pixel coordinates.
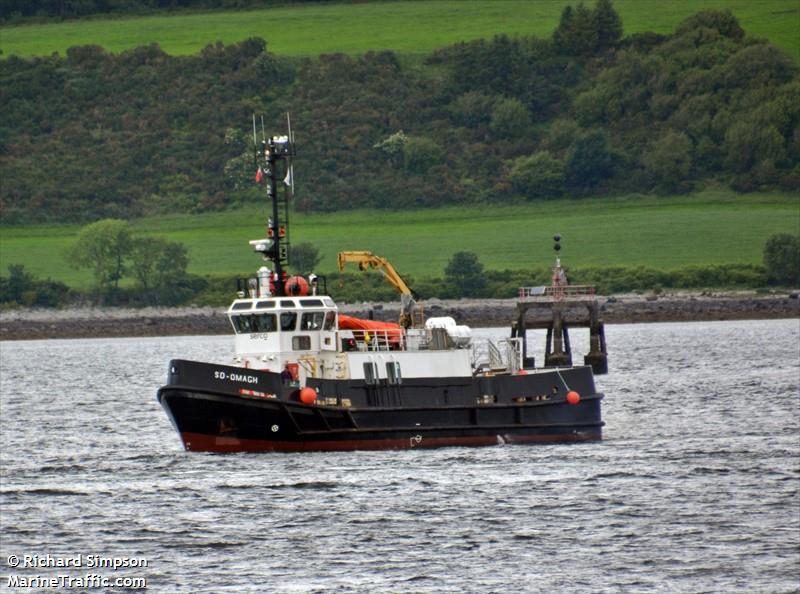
(197, 442)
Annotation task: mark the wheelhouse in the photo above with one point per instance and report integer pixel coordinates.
(285, 325)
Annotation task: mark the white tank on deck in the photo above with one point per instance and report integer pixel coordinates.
(443, 322)
(460, 335)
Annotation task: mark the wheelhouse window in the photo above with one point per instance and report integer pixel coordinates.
(248, 324)
(242, 305)
(312, 321)
(311, 303)
(288, 321)
(287, 303)
(265, 304)
(330, 320)
(266, 323)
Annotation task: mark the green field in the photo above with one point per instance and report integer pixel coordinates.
(666, 233)
(408, 27)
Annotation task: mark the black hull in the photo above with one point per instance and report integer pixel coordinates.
(255, 412)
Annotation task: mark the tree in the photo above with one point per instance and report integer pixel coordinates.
(274, 69)
(589, 161)
(240, 170)
(393, 147)
(782, 259)
(22, 288)
(537, 176)
(561, 36)
(748, 141)
(159, 266)
(561, 134)
(420, 153)
(304, 257)
(18, 283)
(607, 24)
(103, 247)
(472, 108)
(510, 118)
(464, 273)
(669, 160)
(721, 21)
(576, 34)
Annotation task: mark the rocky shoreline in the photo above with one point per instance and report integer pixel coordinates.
(33, 324)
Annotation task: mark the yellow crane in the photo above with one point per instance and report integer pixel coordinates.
(367, 260)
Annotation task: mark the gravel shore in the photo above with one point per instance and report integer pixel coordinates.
(22, 324)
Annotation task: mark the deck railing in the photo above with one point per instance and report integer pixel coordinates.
(572, 292)
(501, 355)
(380, 340)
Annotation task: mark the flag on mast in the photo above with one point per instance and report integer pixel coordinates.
(289, 179)
(259, 175)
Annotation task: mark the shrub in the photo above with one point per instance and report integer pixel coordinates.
(510, 119)
(304, 257)
(421, 153)
(23, 288)
(464, 274)
(537, 176)
(782, 259)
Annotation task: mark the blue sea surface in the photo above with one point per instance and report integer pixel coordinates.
(695, 487)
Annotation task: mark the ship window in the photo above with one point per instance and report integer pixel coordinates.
(288, 321)
(330, 320)
(370, 372)
(254, 323)
(312, 321)
(265, 304)
(287, 303)
(328, 302)
(239, 324)
(301, 343)
(311, 303)
(393, 372)
(242, 305)
(265, 323)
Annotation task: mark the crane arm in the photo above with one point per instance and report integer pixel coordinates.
(369, 260)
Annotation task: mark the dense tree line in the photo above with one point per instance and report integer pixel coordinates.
(157, 265)
(158, 269)
(94, 135)
(25, 10)
(21, 287)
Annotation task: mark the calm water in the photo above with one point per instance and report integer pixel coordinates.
(695, 488)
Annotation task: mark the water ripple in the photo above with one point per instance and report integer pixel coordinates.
(695, 488)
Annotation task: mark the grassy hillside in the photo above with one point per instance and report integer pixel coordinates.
(411, 27)
(710, 228)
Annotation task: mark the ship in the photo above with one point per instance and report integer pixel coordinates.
(306, 377)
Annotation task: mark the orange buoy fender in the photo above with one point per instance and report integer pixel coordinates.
(296, 286)
(573, 397)
(308, 395)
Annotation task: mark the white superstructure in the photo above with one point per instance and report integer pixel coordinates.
(302, 335)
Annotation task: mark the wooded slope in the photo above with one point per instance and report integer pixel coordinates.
(586, 113)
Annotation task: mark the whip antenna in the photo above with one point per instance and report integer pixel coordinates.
(289, 181)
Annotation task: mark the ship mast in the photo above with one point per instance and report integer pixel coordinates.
(274, 160)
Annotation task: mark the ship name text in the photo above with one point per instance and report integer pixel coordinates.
(236, 377)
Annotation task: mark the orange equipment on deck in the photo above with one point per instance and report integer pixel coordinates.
(389, 331)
